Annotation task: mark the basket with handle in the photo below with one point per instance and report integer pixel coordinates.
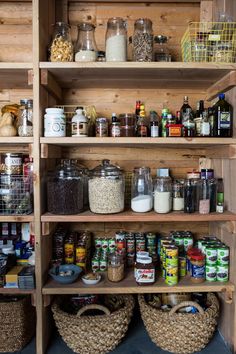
(94, 334)
(181, 333)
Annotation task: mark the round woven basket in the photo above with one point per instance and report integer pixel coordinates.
(17, 325)
(94, 334)
(180, 333)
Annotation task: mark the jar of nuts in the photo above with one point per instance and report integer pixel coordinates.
(116, 267)
(61, 48)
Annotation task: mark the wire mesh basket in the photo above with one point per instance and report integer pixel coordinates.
(209, 42)
(16, 194)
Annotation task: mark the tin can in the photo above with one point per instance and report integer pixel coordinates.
(211, 255)
(223, 255)
(130, 257)
(12, 164)
(69, 249)
(140, 244)
(105, 244)
(182, 266)
(80, 253)
(151, 239)
(171, 276)
(130, 245)
(163, 272)
(120, 240)
(211, 271)
(188, 242)
(111, 245)
(199, 243)
(98, 243)
(95, 265)
(204, 246)
(179, 241)
(103, 264)
(222, 273)
(171, 253)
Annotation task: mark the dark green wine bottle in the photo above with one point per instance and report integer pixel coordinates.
(223, 112)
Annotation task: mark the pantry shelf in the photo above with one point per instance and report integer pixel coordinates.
(15, 75)
(17, 218)
(9, 291)
(133, 75)
(129, 216)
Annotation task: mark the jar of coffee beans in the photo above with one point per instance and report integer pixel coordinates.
(143, 40)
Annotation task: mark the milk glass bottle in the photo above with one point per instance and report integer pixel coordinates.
(142, 190)
(116, 40)
(86, 48)
(163, 192)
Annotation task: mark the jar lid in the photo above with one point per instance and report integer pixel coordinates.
(146, 260)
(160, 39)
(101, 120)
(67, 169)
(193, 251)
(85, 26)
(26, 102)
(54, 110)
(198, 257)
(106, 169)
(142, 254)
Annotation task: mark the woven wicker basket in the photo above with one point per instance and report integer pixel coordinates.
(180, 333)
(17, 325)
(94, 334)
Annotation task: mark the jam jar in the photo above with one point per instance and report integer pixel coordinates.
(145, 271)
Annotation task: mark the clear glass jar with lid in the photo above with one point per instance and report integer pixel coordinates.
(86, 48)
(84, 172)
(61, 48)
(143, 40)
(163, 192)
(116, 40)
(161, 48)
(65, 189)
(142, 190)
(116, 267)
(106, 189)
(25, 126)
(178, 194)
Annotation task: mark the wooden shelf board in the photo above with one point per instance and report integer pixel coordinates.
(14, 75)
(16, 140)
(129, 216)
(17, 218)
(129, 286)
(17, 291)
(137, 75)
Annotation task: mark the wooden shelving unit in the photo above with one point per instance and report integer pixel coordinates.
(17, 218)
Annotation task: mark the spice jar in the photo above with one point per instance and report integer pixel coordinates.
(178, 195)
(197, 262)
(127, 124)
(54, 122)
(101, 127)
(86, 48)
(142, 190)
(145, 271)
(116, 40)
(116, 267)
(25, 127)
(162, 192)
(106, 189)
(161, 49)
(65, 190)
(61, 48)
(143, 40)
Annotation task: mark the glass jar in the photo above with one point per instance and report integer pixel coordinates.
(178, 195)
(84, 172)
(86, 48)
(127, 124)
(163, 192)
(142, 190)
(116, 40)
(25, 127)
(200, 48)
(143, 40)
(116, 267)
(101, 127)
(106, 189)
(65, 190)
(61, 48)
(161, 49)
(204, 200)
(54, 122)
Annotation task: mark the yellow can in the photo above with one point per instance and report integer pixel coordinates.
(172, 276)
(182, 266)
(171, 253)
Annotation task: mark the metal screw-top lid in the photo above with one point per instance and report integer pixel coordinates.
(160, 39)
(106, 169)
(26, 102)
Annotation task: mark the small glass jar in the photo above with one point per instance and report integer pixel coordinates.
(54, 123)
(143, 40)
(127, 124)
(106, 189)
(204, 200)
(101, 127)
(116, 267)
(178, 195)
(86, 48)
(61, 48)
(25, 127)
(163, 192)
(145, 271)
(116, 40)
(161, 49)
(142, 190)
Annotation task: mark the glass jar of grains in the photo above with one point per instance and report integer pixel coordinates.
(116, 267)
(61, 48)
(143, 40)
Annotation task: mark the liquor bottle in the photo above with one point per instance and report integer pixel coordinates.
(198, 118)
(142, 127)
(184, 107)
(205, 125)
(212, 121)
(154, 125)
(224, 117)
(164, 115)
(137, 109)
(188, 123)
(178, 117)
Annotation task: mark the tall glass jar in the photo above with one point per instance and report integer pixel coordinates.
(178, 195)
(86, 48)
(116, 267)
(116, 40)
(163, 192)
(106, 189)
(65, 190)
(143, 40)
(161, 49)
(25, 127)
(142, 190)
(61, 48)
(204, 200)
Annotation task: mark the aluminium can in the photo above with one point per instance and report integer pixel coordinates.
(211, 255)
(223, 255)
(182, 266)
(211, 271)
(171, 256)
(222, 273)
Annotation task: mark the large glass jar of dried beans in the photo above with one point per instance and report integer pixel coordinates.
(65, 189)
(143, 40)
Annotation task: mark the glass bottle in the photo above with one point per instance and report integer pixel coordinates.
(25, 127)
(164, 116)
(223, 112)
(188, 123)
(115, 126)
(116, 267)
(142, 190)
(184, 108)
(116, 40)
(220, 196)
(154, 125)
(142, 127)
(61, 48)
(79, 124)
(198, 118)
(163, 192)
(195, 181)
(189, 196)
(205, 125)
(143, 40)
(137, 109)
(178, 195)
(212, 121)
(161, 49)
(204, 201)
(86, 48)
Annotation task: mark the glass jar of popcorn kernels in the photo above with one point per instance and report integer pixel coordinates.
(61, 48)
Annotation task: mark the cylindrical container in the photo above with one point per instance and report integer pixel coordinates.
(11, 164)
(54, 123)
(61, 48)
(189, 197)
(142, 190)
(212, 193)
(222, 273)
(211, 272)
(25, 126)
(127, 124)
(182, 267)
(69, 250)
(101, 127)
(207, 173)
(188, 243)
(140, 243)
(220, 196)
(103, 264)
(120, 237)
(162, 193)
(190, 252)
(116, 267)
(223, 255)
(106, 189)
(171, 277)
(161, 49)
(178, 195)
(79, 124)
(116, 40)
(86, 48)
(111, 245)
(197, 268)
(211, 255)
(145, 271)
(171, 253)
(143, 40)
(204, 200)
(95, 264)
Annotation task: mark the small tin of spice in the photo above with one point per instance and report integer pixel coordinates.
(222, 273)
(211, 272)
(101, 127)
(223, 255)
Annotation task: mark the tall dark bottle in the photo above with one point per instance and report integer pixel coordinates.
(223, 112)
(184, 107)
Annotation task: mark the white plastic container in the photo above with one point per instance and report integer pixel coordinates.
(54, 123)
(79, 124)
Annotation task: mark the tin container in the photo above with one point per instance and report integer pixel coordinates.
(111, 245)
(211, 271)
(151, 239)
(188, 242)
(95, 265)
(182, 266)
(171, 276)
(12, 164)
(140, 244)
(130, 245)
(171, 259)
(211, 255)
(103, 264)
(223, 255)
(120, 240)
(105, 245)
(222, 273)
(98, 243)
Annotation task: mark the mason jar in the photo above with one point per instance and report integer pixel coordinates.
(178, 195)
(142, 190)
(116, 40)
(143, 40)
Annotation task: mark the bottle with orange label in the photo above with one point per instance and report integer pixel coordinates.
(142, 126)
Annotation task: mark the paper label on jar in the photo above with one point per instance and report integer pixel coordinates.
(79, 129)
(197, 271)
(115, 131)
(145, 275)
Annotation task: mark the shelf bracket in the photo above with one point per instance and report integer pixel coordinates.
(225, 84)
(50, 84)
(50, 151)
(228, 295)
(30, 77)
(47, 299)
(33, 300)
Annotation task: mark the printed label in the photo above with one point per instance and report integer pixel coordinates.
(154, 131)
(224, 118)
(79, 129)
(115, 131)
(197, 271)
(145, 275)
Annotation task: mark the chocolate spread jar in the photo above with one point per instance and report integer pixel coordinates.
(145, 271)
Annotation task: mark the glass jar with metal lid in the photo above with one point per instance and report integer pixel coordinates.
(106, 189)
(163, 192)
(161, 49)
(143, 40)
(101, 127)
(61, 48)
(25, 125)
(116, 40)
